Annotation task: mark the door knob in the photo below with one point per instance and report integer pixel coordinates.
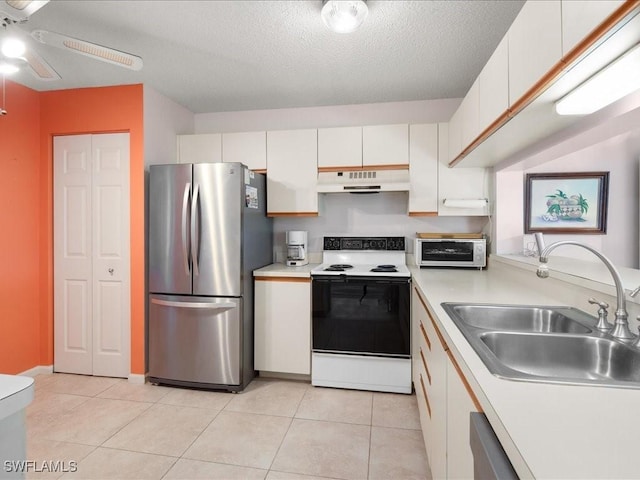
(111, 270)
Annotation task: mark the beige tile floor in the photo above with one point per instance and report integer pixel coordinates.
(274, 430)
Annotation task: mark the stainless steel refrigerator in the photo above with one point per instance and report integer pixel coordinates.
(208, 231)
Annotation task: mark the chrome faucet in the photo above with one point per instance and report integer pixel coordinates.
(621, 326)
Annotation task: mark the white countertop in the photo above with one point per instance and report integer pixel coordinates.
(548, 430)
(16, 392)
(281, 270)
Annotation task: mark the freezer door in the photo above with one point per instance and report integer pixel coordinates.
(170, 189)
(216, 229)
(195, 339)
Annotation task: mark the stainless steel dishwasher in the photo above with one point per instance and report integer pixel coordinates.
(490, 462)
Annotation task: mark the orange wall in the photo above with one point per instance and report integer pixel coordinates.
(19, 215)
(92, 110)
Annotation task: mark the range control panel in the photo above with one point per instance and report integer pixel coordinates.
(364, 243)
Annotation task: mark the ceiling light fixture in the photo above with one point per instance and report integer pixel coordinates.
(13, 47)
(616, 80)
(344, 16)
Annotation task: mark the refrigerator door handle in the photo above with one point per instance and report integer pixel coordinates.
(185, 221)
(204, 305)
(194, 234)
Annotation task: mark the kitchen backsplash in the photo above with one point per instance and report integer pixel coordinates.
(367, 214)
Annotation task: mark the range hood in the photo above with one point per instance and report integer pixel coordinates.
(363, 181)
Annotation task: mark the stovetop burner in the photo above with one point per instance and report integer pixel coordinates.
(338, 267)
(384, 268)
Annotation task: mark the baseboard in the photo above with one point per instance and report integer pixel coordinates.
(39, 370)
(137, 378)
(285, 376)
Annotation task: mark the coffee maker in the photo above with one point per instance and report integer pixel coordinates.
(297, 248)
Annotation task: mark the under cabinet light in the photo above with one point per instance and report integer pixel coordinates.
(616, 80)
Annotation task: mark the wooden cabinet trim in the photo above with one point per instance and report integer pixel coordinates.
(426, 397)
(467, 387)
(566, 62)
(260, 170)
(426, 368)
(400, 166)
(423, 214)
(283, 279)
(424, 334)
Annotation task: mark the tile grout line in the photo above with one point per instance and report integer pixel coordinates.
(288, 429)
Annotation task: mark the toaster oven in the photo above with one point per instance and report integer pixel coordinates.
(451, 252)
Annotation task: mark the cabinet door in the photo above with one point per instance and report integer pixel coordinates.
(580, 17)
(469, 111)
(430, 384)
(460, 405)
(423, 169)
(249, 148)
(339, 147)
(453, 145)
(385, 145)
(493, 86)
(283, 325)
(203, 148)
(535, 45)
(459, 183)
(292, 166)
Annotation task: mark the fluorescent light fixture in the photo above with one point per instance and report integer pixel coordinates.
(616, 80)
(344, 16)
(13, 48)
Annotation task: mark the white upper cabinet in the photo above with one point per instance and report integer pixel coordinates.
(292, 165)
(469, 109)
(493, 86)
(339, 147)
(535, 45)
(423, 169)
(385, 145)
(202, 148)
(580, 17)
(249, 148)
(453, 137)
(459, 183)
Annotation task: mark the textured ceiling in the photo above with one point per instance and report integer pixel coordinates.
(214, 56)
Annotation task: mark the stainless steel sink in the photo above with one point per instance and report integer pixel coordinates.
(563, 358)
(546, 344)
(521, 318)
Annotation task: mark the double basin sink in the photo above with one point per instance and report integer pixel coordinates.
(546, 344)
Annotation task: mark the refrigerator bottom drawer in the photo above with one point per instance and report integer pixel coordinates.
(195, 341)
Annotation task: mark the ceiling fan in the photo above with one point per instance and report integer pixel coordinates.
(15, 51)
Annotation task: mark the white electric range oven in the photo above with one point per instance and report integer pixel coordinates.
(361, 315)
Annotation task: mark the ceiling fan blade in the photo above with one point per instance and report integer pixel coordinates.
(19, 10)
(89, 49)
(39, 67)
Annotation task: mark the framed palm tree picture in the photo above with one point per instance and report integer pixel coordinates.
(566, 202)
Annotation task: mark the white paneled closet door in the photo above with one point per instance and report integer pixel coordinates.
(91, 254)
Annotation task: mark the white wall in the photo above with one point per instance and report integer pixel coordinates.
(427, 111)
(163, 120)
(383, 214)
(612, 146)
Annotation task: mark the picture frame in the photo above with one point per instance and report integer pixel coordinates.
(574, 203)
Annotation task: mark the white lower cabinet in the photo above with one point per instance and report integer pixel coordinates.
(282, 325)
(444, 402)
